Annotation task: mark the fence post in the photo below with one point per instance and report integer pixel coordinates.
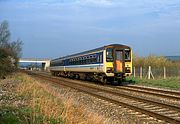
(134, 71)
(150, 73)
(164, 72)
(141, 72)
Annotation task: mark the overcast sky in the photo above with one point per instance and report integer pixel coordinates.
(52, 28)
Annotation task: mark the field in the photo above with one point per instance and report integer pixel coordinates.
(170, 83)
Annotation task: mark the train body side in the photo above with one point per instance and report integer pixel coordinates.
(112, 62)
(81, 63)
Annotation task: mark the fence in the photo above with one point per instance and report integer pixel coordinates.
(152, 72)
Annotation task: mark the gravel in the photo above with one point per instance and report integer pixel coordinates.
(7, 96)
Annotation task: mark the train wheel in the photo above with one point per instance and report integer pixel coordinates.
(104, 80)
(79, 77)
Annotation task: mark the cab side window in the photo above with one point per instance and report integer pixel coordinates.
(109, 55)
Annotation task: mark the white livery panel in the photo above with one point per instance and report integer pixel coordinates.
(80, 68)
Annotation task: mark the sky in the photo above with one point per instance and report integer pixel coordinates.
(54, 28)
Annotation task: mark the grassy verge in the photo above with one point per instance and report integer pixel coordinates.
(170, 83)
(24, 100)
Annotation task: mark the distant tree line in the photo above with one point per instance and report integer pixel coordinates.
(161, 67)
(151, 60)
(10, 51)
(154, 61)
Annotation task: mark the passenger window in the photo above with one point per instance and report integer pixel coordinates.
(98, 59)
(101, 59)
(84, 60)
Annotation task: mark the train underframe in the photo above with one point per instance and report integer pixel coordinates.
(118, 78)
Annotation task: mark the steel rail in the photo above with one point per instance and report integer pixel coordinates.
(150, 93)
(155, 90)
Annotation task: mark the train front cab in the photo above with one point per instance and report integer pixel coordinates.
(118, 63)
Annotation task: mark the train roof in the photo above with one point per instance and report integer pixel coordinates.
(93, 50)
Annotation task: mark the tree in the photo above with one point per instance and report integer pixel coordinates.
(6, 63)
(10, 52)
(4, 35)
(16, 47)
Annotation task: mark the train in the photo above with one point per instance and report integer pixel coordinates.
(108, 64)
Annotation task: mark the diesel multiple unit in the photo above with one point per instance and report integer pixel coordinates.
(111, 63)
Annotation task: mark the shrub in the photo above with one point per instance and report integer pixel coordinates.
(9, 51)
(7, 63)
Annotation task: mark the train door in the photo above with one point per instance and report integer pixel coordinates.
(118, 61)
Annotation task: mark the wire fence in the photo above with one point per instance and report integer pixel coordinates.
(154, 72)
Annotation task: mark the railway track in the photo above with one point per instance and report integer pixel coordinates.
(169, 92)
(162, 111)
(151, 91)
(172, 95)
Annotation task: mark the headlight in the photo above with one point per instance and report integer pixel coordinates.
(128, 70)
(110, 70)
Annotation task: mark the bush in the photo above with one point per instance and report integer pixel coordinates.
(7, 63)
(9, 51)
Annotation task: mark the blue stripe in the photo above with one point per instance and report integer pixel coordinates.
(83, 66)
(66, 62)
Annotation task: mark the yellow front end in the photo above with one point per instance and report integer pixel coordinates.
(128, 67)
(109, 69)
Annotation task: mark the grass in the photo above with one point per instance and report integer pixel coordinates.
(28, 101)
(170, 83)
(9, 116)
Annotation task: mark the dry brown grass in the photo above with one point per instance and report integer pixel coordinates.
(73, 114)
(40, 101)
(48, 102)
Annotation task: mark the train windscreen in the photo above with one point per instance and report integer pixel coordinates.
(127, 54)
(109, 55)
